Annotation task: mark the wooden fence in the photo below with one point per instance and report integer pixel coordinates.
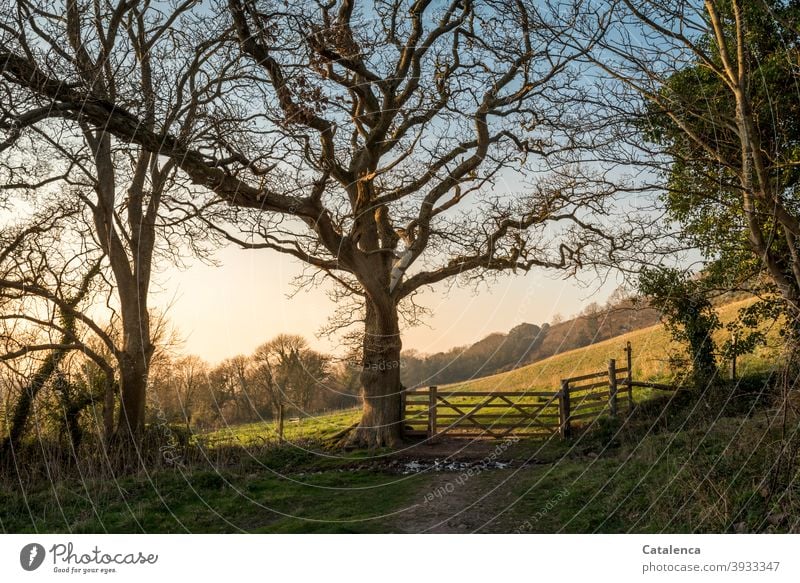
(435, 412)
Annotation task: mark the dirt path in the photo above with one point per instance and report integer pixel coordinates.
(453, 502)
(463, 500)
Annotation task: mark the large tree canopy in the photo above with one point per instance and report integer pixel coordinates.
(390, 145)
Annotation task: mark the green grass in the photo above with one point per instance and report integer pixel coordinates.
(318, 428)
(265, 496)
(701, 478)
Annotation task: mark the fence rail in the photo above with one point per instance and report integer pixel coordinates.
(436, 412)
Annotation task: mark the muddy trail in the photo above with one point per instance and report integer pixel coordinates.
(471, 486)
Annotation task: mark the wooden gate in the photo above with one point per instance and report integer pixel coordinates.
(433, 413)
(436, 412)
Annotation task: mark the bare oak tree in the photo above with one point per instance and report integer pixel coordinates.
(389, 145)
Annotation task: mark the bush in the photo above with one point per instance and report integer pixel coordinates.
(688, 315)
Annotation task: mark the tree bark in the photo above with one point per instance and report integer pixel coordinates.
(381, 420)
(134, 365)
(108, 408)
(133, 385)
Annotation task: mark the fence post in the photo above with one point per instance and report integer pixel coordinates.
(432, 412)
(629, 381)
(733, 357)
(563, 410)
(612, 386)
(403, 410)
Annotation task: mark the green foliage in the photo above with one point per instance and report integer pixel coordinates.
(72, 398)
(747, 331)
(688, 315)
(703, 103)
(698, 130)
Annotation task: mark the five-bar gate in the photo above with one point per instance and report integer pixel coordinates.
(437, 412)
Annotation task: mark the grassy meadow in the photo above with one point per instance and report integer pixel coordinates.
(674, 465)
(307, 428)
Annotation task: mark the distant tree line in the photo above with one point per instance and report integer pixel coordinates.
(494, 353)
(281, 378)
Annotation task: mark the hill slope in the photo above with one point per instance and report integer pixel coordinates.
(651, 347)
(525, 344)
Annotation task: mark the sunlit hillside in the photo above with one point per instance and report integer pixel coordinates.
(651, 348)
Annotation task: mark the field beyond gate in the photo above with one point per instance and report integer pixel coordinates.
(436, 412)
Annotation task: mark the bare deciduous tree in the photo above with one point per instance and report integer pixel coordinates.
(389, 145)
(124, 189)
(45, 286)
(289, 372)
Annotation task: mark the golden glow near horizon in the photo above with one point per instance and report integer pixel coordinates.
(221, 311)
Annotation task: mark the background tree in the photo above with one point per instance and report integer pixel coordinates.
(290, 372)
(233, 392)
(593, 315)
(191, 373)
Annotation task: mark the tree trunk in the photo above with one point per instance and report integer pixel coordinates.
(381, 419)
(134, 363)
(108, 408)
(133, 388)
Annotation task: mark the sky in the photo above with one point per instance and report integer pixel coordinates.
(229, 309)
